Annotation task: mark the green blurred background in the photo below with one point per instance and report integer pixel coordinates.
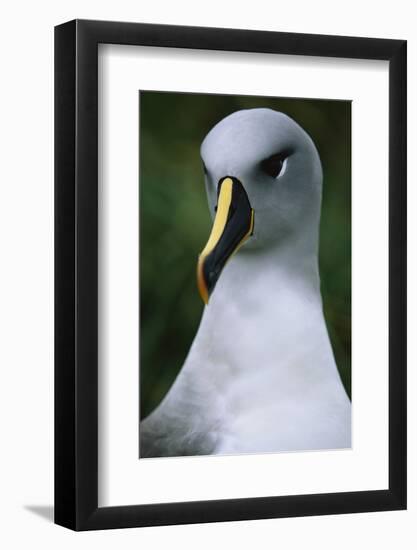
(175, 223)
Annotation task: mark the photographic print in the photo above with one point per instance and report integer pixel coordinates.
(245, 274)
(203, 197)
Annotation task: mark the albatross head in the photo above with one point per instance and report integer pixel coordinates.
(263, 179)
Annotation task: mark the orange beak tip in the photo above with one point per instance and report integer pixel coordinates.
(201, 284)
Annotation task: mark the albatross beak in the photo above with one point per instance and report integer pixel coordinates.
(233, 225)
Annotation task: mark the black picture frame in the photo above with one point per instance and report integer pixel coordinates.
(76, 272)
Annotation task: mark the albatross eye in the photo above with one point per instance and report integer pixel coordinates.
(272, 166)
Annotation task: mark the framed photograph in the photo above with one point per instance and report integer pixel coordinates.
(230, 253)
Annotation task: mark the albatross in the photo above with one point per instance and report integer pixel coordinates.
(260, 375)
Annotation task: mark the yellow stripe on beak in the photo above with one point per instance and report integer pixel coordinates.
(223, 205)
(233, 224)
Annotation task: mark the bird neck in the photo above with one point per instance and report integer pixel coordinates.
(265, 305)
(270, 277)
